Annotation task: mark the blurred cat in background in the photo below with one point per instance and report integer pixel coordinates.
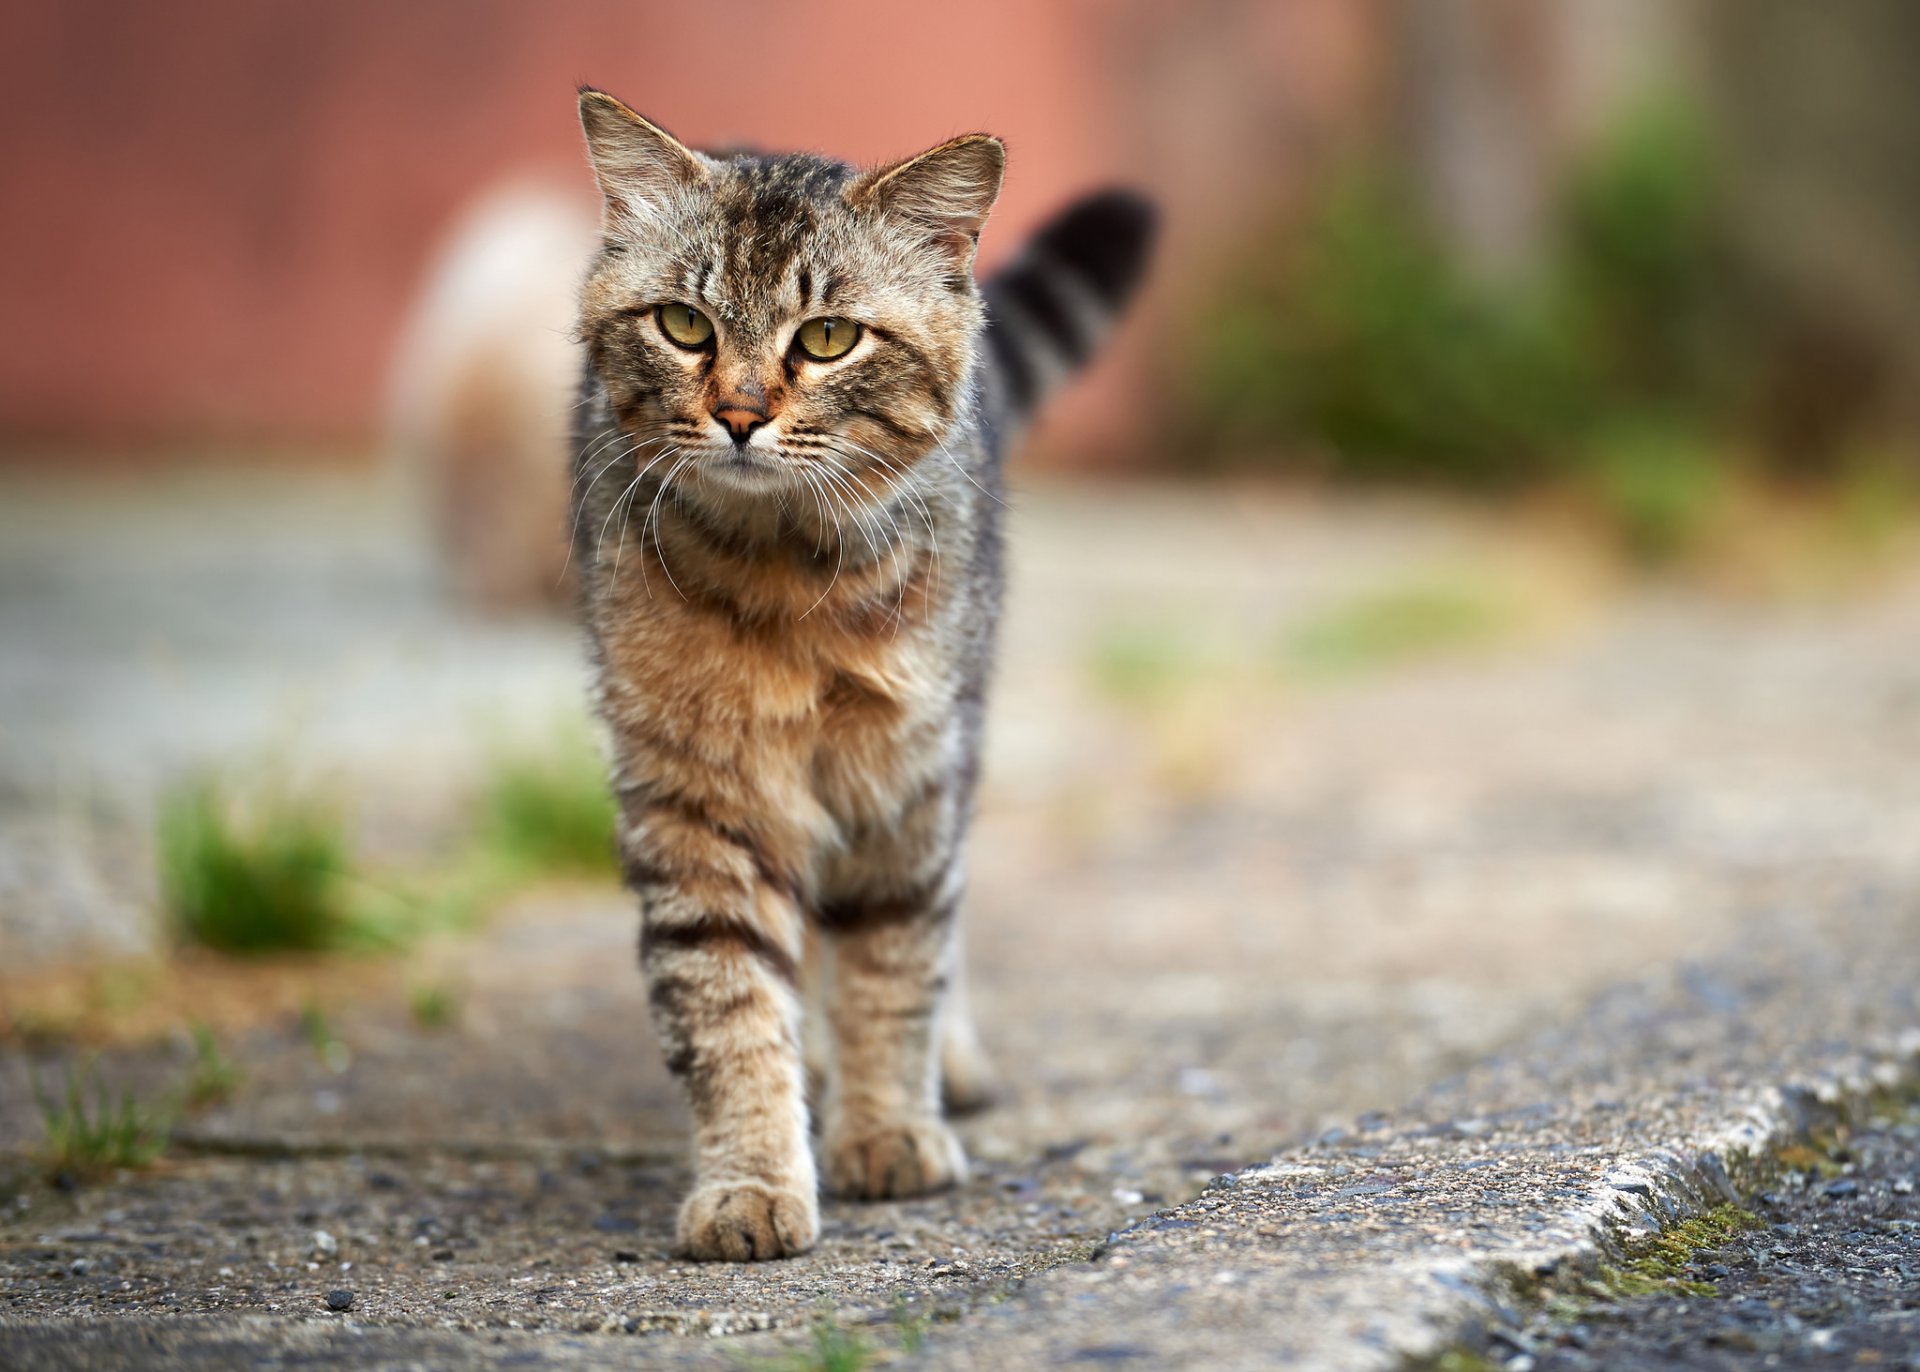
(482, 391)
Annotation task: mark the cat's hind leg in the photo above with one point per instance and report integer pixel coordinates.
(816, 1034)
(968, 1082)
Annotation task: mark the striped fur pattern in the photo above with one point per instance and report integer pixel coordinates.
(793, 628)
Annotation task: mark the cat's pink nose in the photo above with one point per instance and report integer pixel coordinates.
(740, 422)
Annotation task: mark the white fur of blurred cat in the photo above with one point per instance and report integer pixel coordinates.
(482, 389)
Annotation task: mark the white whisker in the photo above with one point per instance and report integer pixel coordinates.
(652, 521)
(621, 547)
(909, 489)
(581, 507)
(839, 561)
(942, 446)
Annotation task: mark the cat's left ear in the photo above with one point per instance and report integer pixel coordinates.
(946, 191)
(636, 162)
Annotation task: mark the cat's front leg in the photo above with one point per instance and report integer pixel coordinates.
(720, 945)
(891, 960)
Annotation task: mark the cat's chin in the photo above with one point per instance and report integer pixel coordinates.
(744, 472)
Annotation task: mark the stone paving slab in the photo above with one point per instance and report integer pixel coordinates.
(1383, 1244)
(1368, 1247)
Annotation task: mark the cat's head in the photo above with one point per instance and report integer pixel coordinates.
(752, 316)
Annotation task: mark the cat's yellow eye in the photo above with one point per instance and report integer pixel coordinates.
(686, 325)
(825, 339)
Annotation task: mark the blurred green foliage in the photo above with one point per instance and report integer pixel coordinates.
(434, 1006)
(1367, 346)
(1659, 484)
(1360, 345)
(1642, 295)
(1146, 663)
(1394, 624)
(264, 867)
(269, 877)
(552, 811)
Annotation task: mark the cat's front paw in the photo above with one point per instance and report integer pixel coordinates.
(746, 1221)
(894, 1160)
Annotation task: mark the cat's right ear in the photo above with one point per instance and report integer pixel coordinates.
(638, 164)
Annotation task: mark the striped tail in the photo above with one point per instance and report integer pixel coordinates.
(1049, 309)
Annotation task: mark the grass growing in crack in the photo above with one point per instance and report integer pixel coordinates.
(90, 1130)
(262, 878)
(328, 1046)
(831, 1347)
(911, 1324)
(836, 1349)
(213, 1076)
(551, 811)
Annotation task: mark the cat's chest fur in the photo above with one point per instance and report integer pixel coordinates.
(827, 698)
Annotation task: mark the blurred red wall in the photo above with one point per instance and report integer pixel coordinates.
(216, 211)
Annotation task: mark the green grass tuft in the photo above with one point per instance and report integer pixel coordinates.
(261, 879)
(214, 1076)
(552, 812)
(911, 1325)
(90, 1131)
(831, 1347)
(835, 1349)
(328, 1046)
(272, 872)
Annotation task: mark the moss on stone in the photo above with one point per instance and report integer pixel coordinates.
(1463, 1360)
(1659, 1266)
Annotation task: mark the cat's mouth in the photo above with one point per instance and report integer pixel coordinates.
(747, 469)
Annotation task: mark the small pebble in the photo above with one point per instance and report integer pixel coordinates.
(78, 1267)
(325, 1245)
(340, 1300)
(1846, 1186)
(622, 1255)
